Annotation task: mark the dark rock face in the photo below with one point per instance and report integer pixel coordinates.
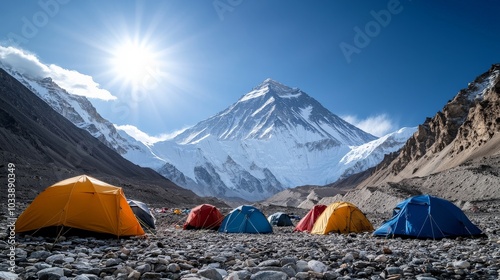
(47, 148)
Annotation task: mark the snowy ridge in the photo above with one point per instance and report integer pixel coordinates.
(370, 154)
(272, 138)
(479, 89)
(82, 113)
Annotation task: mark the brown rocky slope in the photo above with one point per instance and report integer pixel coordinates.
(454, 155)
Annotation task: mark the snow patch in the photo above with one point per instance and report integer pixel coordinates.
(290, 95)
(306, 112)
(481, 88)
(254, 94)
(269, 101)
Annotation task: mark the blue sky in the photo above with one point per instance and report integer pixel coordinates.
(380, 64)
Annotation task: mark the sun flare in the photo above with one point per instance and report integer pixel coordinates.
(133, 62)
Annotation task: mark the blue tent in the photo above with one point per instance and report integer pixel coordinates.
(426, 216)
(245, 219)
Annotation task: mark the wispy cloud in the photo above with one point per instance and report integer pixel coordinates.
(378, 125)
(145, 138)
(72, 81)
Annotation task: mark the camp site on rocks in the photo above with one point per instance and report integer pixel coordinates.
(249, 140)
(172, 252)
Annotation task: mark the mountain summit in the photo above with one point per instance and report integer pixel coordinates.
(272, 138)
(276, 110)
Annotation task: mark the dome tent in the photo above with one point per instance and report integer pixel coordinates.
(280, 219)
(307, 223)
(341, 217)
(84, 203)
(426, 216)
(204, 216)
(142, 213)
(245, 219)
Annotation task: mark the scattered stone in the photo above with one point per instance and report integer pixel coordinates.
(281, 255)
(173, 267)
(239, 275)
(317, 266)
(380, 258)
(134, 275)
(151, 275)
(57, 258)
(210, 273)
(112, 262)
(302, 266)
(50, 273)
(269, 275)
(40, 255)
(461, 264)
(270, 263)
(8, 275)
(144, 268)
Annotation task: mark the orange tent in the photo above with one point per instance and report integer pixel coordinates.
(204, 216)
(341, 217)
(81, 202)
(307, 223)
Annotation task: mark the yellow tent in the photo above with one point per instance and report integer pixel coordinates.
(341, 217)
(81, 202)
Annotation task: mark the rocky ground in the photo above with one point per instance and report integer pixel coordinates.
(173, 253)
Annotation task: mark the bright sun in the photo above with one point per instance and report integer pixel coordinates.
(133, 62)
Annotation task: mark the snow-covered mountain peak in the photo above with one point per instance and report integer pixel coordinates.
(270, 83)
(270, 87)
(274, 110)
(273, 137)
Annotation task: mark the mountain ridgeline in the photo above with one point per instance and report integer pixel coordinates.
(273, 138)
(45, 147)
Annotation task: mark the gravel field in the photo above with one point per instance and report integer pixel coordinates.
(173, 253)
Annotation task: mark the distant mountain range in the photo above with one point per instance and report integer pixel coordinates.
(273, 138)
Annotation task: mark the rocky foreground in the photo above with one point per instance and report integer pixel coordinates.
(174, 253)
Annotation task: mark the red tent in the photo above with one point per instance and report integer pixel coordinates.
(204, 216)
(307, 223)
